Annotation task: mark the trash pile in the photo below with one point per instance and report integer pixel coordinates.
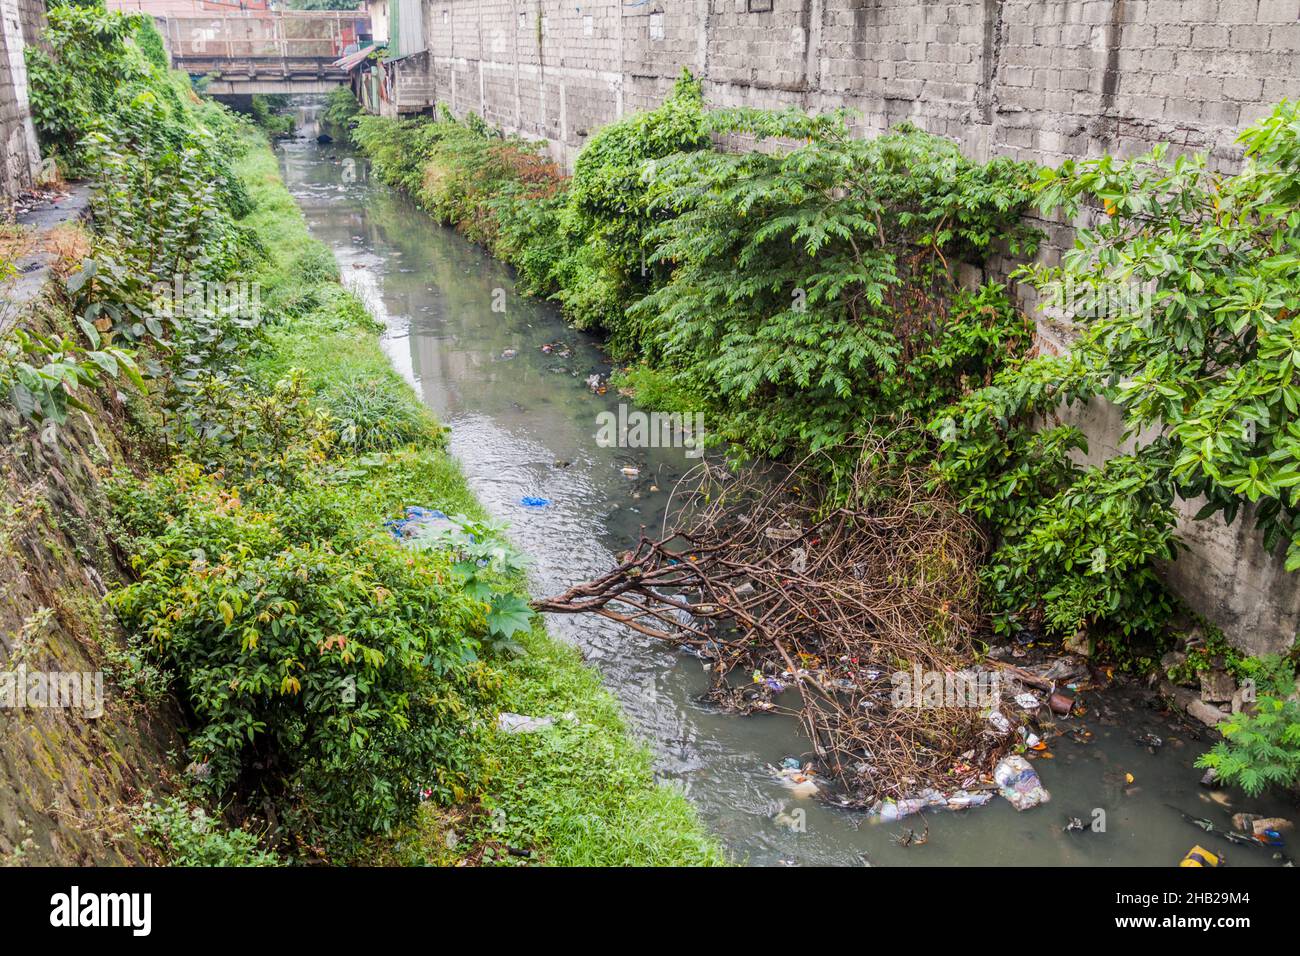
(1248, 829)
(887, 811)
(801, 780)
(799, 603)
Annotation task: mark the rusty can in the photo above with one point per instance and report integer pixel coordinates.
(1060, 703)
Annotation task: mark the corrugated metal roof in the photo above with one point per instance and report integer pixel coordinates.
(354, 59)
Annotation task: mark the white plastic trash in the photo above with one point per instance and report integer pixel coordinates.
(1019, 783)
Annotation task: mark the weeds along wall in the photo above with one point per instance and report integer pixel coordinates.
(736, 277)
(1034, 81)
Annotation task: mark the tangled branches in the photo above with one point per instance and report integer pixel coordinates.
(787, 589)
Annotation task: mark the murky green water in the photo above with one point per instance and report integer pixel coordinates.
(516, 410)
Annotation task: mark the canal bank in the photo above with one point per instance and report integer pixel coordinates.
(523, 424)
(580, 792)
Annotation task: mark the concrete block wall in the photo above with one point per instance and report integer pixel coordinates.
(21, 22)
(1037, 80)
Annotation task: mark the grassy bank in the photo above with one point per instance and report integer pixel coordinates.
(580, 793)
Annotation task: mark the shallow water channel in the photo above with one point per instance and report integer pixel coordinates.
(515, 411)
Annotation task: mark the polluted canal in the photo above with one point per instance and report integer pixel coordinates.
(511, 380)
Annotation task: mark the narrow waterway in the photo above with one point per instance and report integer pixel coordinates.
(523, 423)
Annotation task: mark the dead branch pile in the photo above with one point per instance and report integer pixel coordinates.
(815, 609)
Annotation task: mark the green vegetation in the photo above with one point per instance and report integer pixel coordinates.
(805, 294)
(266, 111)
(1262, 745)
(333, 678)
(1187, 291)
(187, 836)
(341, 107)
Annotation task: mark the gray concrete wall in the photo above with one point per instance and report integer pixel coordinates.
(1039, 80)
(1035, 79)
(20, 23)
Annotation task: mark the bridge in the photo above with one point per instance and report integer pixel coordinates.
(244, 48)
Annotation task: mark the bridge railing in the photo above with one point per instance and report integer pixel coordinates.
(262, 34)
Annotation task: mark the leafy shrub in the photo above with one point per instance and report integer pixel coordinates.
(267, 113)
(328, 675)
(1262, 748)
(341, 107)
(454, 169)
(188, 836)
(272, 435)
(1186, 291)
(811, 291)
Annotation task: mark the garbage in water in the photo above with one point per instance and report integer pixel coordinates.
(889, 810)
(528, 501)
(789, 821)
(418, 521)
(1199, 856)
(909, 837)
(630, 472)
(1267, 830)
(596, 384)
(1019, 783)
(509, 353)
(523, 724)
(1240, 839)
(1032, 740)
(1152, 742)
(1060, 704)
(799, 782)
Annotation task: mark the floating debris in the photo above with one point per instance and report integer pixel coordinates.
(890, 810)
(1019, 783)
(798, 781)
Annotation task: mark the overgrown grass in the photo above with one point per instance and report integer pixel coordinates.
(579, 793)
(580, 790)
